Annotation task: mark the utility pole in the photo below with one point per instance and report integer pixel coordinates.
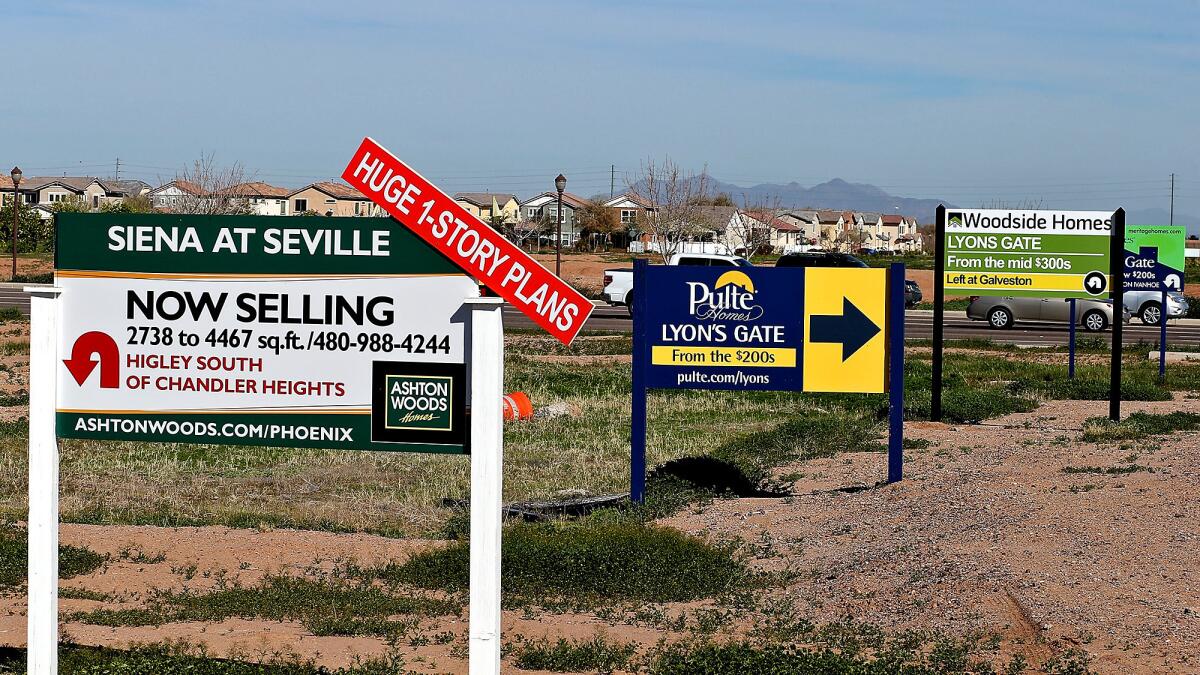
(117, 176)
(1172, 200)
(612, 180)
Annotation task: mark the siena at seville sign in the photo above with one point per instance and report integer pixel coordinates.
(260, 331)
(1044, 254)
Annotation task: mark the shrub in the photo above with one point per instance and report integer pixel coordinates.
(590, 561)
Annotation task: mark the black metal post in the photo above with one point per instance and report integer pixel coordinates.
(939, 292)
(1116, 255)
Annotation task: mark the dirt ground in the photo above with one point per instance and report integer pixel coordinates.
(986, 531)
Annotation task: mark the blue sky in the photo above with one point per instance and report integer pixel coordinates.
(1081, 104)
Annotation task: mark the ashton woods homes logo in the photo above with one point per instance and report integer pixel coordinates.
(419, 402)
(731, 298)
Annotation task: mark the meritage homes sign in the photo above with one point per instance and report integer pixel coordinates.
(259, 330)
(1045, 254)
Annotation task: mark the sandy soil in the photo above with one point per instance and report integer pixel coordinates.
(14, 368)
(987, 531)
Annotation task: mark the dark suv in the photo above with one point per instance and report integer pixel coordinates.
(912, 292)
(819, 259)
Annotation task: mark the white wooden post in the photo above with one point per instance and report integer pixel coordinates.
(42, 615)
(487, 462)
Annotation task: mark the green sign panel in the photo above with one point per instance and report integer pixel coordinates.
(1154, 257)
(1045, 254)
(258, 330)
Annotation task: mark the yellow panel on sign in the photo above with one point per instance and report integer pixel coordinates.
(845, 329)
(767, 357)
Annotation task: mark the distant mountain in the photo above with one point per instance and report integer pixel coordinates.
(835, 194)
(845, 196)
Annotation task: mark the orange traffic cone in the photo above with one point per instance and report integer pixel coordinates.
(517, 406)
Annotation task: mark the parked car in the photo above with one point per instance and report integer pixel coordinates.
(618, 283)
(1145, 305)
(912, 293)
(1092, 315)
(819, 259)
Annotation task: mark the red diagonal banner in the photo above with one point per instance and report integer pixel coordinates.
(480, 250)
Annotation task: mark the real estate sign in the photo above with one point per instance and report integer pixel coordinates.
(1046, 254)
(1154, 257)
(794, 329)
(259, 331)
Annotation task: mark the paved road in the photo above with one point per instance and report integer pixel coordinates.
(918, 324)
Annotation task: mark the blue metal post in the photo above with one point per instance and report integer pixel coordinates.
(637, 427)
(1162, 336)
(896, 372)
(1071, 344)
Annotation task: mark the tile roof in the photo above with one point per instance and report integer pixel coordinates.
(256, 189)
(73, 183)
(335, 190)
(183, 186)
(890, 219)
(773, 221)
(631, 197)
(484, 198)
(829, 216)
(124, 188)
(574, 201)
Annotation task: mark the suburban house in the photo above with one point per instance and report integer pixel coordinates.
(830, 224)
(545, 207)
(168, 195)
(261, 199)
(326, 198)
(782, 235)
(485, 205)
(628, 207)
(871, 226)
(46, 191)
(806, 219)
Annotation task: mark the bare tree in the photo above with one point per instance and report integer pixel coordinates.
(211, 189)
(755, 224)
(674, 201)
(526, 231)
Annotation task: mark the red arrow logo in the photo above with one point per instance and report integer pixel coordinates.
(81, 364)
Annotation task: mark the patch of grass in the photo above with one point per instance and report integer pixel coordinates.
(14, 559)
(173, 660)
(1139, 425)
(597, 655)
(68, 593)
(1108, 470)
(906, 654)
(327, 607)
(802, 439)
(14, 348)
(590, 562)
(12, 314)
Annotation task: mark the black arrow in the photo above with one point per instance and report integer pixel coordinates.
(852, 329)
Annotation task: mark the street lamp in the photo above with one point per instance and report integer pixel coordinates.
(15, 174)
(560, 184)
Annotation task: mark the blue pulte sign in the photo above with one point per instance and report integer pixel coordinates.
(785, 329)
(723, 328)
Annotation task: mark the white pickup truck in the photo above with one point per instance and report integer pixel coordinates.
(618, 284)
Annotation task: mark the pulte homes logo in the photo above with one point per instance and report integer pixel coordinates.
(731, 298)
